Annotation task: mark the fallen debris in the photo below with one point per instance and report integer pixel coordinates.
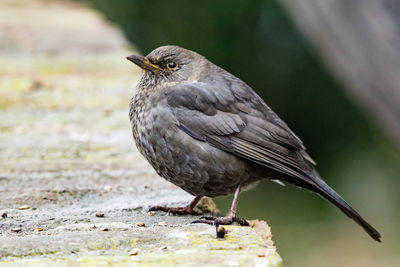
(134, 252)
(99, 214)
(16, 229)
(162, 223)
(220, 231)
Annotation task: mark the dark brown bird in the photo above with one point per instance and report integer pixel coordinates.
(209, 133)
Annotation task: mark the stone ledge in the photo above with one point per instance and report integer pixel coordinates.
(184, 245)
(66, 153)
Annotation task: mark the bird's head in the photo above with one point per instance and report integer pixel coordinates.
(168, 64)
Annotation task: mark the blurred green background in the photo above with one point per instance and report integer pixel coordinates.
(256, 41)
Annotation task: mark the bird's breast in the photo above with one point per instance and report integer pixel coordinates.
(149, 121)
(197, 167)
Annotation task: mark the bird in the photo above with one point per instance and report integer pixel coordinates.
(209, 133)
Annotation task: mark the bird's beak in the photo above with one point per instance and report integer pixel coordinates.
(142, 62)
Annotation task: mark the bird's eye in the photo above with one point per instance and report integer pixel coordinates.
(171, 65)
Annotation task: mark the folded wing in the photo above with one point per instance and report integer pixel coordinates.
(240, 124)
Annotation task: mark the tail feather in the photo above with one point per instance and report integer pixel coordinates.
(323, 189)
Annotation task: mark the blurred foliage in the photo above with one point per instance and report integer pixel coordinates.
(256, 41)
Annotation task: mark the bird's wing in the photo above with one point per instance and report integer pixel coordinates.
(238, 121)
(235, 119)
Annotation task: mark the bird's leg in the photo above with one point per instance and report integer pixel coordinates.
(230, 217)
(188, 209)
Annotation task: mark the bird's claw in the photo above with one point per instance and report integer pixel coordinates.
(178, 210)
(221, 220)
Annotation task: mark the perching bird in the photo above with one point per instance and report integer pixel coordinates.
(209, 133)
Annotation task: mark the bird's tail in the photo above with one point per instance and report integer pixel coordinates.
(323, 189)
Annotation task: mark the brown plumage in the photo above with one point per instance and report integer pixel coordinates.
(209, 133)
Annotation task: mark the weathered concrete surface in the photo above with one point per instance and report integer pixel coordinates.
(66, 153)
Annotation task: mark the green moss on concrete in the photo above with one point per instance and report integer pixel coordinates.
(152, 259)
(186, 245)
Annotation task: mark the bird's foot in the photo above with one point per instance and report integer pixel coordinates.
(178, 210)
(226, 220)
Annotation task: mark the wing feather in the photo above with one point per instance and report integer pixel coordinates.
(244, 126)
